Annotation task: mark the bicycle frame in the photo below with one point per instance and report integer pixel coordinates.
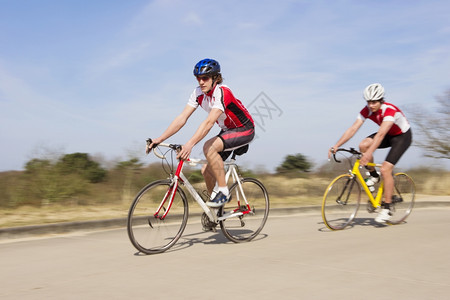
(179, 177)
(376, 201)
(341, 200)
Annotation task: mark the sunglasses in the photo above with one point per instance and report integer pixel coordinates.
(203, 78)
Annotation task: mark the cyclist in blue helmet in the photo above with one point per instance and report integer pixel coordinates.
(207, 67)
(235, 122)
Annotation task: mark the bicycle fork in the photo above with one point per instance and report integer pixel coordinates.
(170, 194)
(350, 182)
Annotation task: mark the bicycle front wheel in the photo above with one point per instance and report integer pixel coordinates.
(403, 198)
(243, 220)
(147, 230)
(341, 202)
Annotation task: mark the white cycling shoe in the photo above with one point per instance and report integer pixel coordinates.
(383, 216)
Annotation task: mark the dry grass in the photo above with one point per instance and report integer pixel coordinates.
(28, 215)
(283, 192)
(432, 184)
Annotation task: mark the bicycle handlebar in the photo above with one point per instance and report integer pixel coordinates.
(175, 147)
(353, 151)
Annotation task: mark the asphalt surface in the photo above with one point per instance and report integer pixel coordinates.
(295, 257)
(67, 227)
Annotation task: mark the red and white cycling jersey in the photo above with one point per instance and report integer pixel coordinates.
(387, 112)
(234, 112)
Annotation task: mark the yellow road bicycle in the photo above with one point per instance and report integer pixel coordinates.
(342, 197)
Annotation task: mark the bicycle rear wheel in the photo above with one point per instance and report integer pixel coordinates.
(245, 221)
(147, 231)
(341, 202)
(403, 198)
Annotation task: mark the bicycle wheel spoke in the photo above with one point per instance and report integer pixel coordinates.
(244, 221)
(341, 202)
(148, 231)
(403, 198)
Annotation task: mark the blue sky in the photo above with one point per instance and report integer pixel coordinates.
(101, 76)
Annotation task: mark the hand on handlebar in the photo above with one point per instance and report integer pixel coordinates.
(365, 159)
(334, 150)
(331, 151)
(184, 152)
(150, 145)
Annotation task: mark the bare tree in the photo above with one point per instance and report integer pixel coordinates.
(433, 134)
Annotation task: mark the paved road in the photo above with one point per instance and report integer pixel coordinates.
(296, 257)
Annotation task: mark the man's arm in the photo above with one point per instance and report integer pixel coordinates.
(348, 134)
(201, 132)
(174, 127)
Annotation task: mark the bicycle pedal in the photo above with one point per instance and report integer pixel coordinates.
(371, 209)
(396, 199)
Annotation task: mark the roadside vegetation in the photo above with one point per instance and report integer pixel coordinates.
(74, 187)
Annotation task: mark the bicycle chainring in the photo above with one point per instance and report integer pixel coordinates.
(370, 207)
(207, 224)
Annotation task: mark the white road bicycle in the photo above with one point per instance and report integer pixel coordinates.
(159, 213)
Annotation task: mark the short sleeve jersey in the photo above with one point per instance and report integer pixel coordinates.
(387, 112)
(234, 112)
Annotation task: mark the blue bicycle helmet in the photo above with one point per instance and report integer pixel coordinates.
(207, 67)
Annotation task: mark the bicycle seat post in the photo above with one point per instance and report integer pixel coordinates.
(233, 157)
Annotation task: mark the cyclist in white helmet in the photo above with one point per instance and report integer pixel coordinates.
(394, 132)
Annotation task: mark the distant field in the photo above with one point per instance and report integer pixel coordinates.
(283, 192)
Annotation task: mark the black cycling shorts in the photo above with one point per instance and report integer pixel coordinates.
(235, 138)
(398, 143)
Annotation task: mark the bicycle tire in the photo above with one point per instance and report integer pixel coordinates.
(341, 202)
(246, 226)
(403, 198)
(150, 234)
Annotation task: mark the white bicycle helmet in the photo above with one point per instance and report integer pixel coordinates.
(374, 92)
